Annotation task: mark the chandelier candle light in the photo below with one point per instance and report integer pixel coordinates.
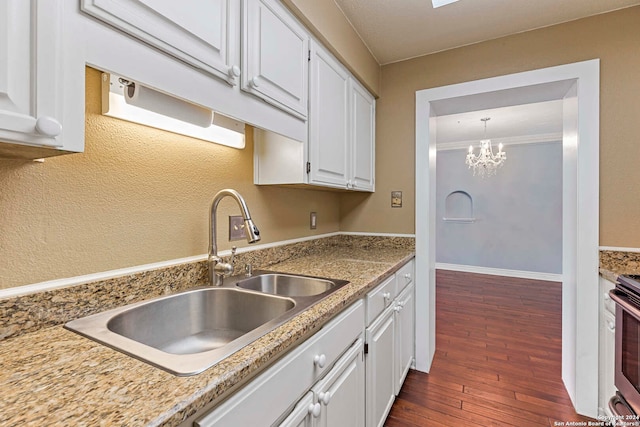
(486, 163)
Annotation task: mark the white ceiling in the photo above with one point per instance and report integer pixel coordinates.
(395, 30)
(528, 123)
(528, 114)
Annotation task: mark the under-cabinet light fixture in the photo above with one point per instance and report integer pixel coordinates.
(439, 3)
(130, 101)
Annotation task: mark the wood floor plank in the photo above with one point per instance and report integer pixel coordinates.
(497, 360)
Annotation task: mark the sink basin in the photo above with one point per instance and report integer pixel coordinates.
(287, 285)
(188, 332)
(193, 322)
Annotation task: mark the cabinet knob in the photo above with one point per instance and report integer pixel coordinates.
(606, 296)
(324, 398)
(48, 126)
(611, 325)
(234, 71)
(320, 360)
(407, 276)
(386, 295)
(314, 410)
(255, 82)
(397, 308)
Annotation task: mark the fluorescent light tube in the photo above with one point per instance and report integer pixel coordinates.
(114, 105)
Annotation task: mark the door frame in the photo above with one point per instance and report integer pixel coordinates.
(580, 242)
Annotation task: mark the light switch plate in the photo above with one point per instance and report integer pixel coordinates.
(396, 199)
(236, 228)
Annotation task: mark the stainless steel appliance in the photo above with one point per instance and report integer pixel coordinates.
(626, 404)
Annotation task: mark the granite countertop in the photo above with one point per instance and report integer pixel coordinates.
(614, 263)
(52, 376)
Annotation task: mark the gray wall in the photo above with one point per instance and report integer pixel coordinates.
(518, 212)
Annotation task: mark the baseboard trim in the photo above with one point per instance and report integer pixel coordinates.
(550, 277)
(106, 275)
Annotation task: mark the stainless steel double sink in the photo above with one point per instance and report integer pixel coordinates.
(188, 332)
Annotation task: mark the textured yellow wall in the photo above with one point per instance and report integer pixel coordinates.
(612, 37)
(136, 195)
(325, 19)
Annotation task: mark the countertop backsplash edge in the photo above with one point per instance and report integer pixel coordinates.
(28, 313)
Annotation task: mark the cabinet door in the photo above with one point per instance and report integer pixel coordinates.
(30, 72)
(202, 34)
(341, 392)
(379, 363)
(405, 335)
(303, 413)
(363, 113)
(329, 148)
(274, 391)
(275, 56)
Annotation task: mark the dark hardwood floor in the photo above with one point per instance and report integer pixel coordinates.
(498, 357)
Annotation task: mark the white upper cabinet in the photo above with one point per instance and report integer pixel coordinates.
(275, 56)
(340, 150)
(202, 34)
(363, 115)
(329, 135)
(31, 80)
(341, 126)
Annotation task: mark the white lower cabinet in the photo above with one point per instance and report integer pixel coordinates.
(334, 379)
(304, 413)
(380, 365)
(341, 393)
(606, 354)
(390, 342)
(338, 399)
(405, 334)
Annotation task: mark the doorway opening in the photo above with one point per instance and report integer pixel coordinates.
(577, 85)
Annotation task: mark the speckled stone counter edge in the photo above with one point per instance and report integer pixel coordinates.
(614, 263)
(28, 313)
(56, 361)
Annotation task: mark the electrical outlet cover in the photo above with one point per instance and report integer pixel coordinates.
(236, 228)
(313, 220)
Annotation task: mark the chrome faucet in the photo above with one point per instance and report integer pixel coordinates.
(218, 269)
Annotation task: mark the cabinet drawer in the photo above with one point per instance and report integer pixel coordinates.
(270, 394)
(380, 298)
(405, 276)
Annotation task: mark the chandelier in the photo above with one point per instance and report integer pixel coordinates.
(486, 163)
